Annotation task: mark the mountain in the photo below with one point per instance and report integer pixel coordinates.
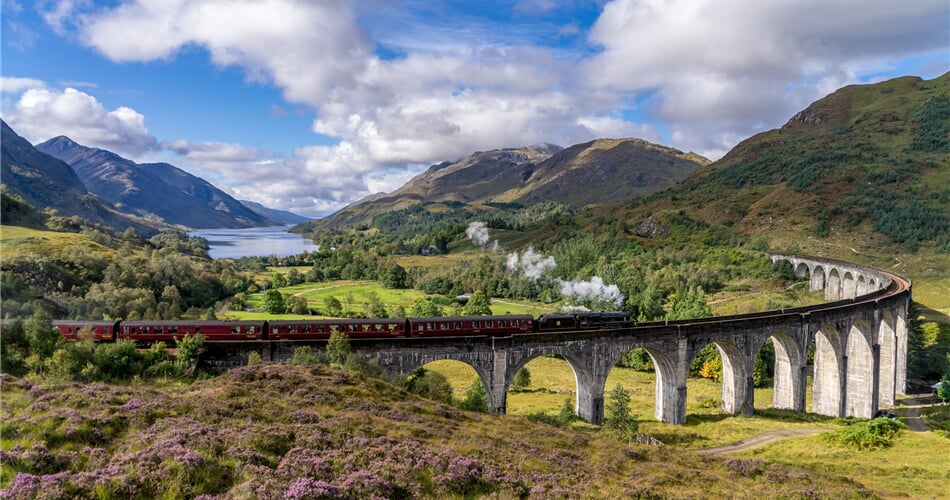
(864, 169)
(47, 182)
(599, 171)
(153, 190)
(282, 217)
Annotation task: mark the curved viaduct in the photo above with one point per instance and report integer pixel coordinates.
(860, 356)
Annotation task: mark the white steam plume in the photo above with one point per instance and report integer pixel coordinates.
(531, 263)
(478, 233)
(593, 290)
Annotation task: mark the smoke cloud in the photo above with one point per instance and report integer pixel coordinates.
(593, 290)
(531, 263)
(478, 233)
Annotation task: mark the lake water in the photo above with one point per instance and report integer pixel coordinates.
(254, 241)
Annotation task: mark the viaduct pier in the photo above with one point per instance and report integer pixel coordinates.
(859, 337)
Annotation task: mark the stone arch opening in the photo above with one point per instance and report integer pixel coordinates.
(733, 373)
(848, 286)
(872, 284)
(826, 369)
(802, 271)
(817, 279)
(860, 383)
(643, 369)
(862, 287)
(553, 378)
(833, 286)
(780, 365)
(460, 377)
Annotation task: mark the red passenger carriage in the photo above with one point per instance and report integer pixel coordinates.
(169, 331)
(101, 330)
(471, 325)
(322, 329)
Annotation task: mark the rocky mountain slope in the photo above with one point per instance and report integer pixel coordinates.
(156, 190)
(47, 182)
(599, 171)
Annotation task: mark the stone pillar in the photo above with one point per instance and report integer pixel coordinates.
(590, 398)
(790, 376)
(737, 383)
(497, 383)
(900, 330)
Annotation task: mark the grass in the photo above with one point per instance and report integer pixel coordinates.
(552, 381)
(316, 295)
(18, 241)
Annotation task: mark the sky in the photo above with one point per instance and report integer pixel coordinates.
(308, 105)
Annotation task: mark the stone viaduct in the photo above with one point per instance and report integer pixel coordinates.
(860, 350)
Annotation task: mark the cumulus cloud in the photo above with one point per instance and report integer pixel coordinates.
(737, 67)
(40, 114)
(706, 73)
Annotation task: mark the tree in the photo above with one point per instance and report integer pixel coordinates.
(475, 398)
(943, 390)
(274, 302)
(430, 384)
(424, 308)
(338, 347)
(190, 348)
(280, 280)
(394, 276)
(689, 305)
(334, 308)
(522, 380)
(619, 421)
(477, 305)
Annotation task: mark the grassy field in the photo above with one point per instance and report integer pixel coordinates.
(552, 381)
(316, 295)
(18, 241)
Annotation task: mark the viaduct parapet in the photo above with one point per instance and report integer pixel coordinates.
(860, 350)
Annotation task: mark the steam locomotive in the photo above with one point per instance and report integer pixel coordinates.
(147, 332)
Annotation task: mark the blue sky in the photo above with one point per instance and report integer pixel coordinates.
(309, 105)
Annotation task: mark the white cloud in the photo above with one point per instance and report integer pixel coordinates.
(41, 114)
(714, 72)
(737, 67)
(14, 85)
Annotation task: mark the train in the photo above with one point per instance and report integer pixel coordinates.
(148, 332)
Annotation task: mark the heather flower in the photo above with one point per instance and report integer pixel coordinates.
(307, 488)
(24, 486)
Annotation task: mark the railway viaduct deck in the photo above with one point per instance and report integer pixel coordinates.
(860, 357)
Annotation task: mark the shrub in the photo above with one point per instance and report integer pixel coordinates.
(190, 348)
(430, 384)
(338, 348)
(475, 398)
(302, 356)
(618, 420)
(522, 380)
(867, 434)
(254, 358)
(119, 360)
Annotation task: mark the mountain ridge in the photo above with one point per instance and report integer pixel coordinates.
(153, 190)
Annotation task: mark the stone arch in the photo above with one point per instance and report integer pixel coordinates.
(872, 284)
(848, 286)
(862, 286)
(496, 402)
(833, 286)
(826, 384)
(589, 391)
(887, 359)
(788, 379)
(736, 377)
(859, 384)
(817, 281)
(802, 271)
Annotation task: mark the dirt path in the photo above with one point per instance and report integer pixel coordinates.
(766, 437)
(912, 413)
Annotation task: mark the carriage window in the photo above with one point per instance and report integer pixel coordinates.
(250, 329)
(306, 329)
(334, 329)
(235, 329)
(159, 329)
(197, 330)
(173, 329)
